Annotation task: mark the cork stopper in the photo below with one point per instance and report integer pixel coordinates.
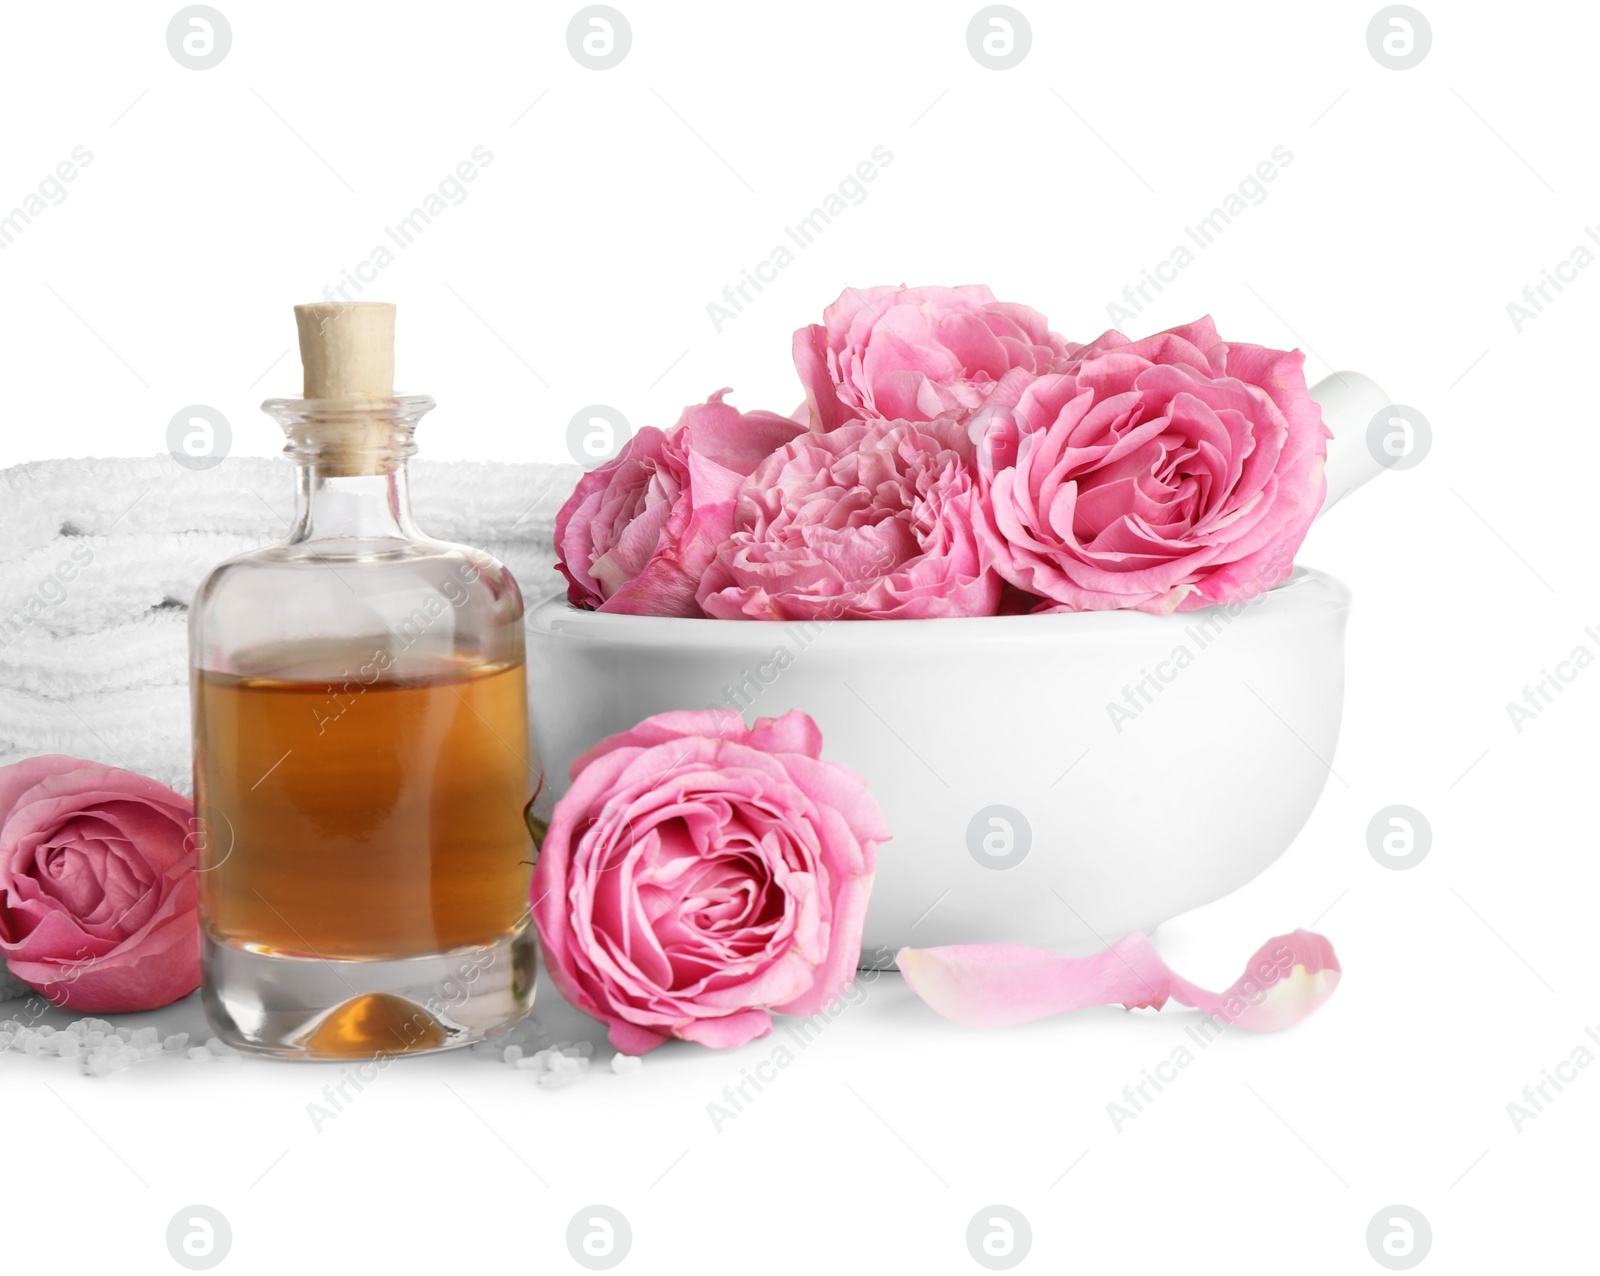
(347, 349)
(349, 422)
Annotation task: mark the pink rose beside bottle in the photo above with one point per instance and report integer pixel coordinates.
(700, 874)
(98, 906)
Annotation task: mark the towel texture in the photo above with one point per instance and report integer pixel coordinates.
(99, 559)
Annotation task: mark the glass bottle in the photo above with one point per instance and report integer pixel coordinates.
(361, 751)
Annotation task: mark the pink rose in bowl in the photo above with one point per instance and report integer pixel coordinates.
(699, 874)
(1167, 474)
(872, 521)
(917, 353)
(636, 533)
(98, 906)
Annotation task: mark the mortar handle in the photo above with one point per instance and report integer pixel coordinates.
(1348, 401)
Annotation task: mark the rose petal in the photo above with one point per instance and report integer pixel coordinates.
(996, 985)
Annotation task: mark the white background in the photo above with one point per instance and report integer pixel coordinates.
(578, 270)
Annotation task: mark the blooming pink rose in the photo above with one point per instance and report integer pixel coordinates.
(699, 873)
(636, 533)
(98, 907)
(1165, 474)
(916, 353)
(872, 521)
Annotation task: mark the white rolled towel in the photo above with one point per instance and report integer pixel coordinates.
(88, 585)
(92, 584)
(149, 651)
(99, 559)
(145, 729)
(42, 501)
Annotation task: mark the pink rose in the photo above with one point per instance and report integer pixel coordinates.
(872, 521)
(636, 533)
(916, 353)
(699, 874)
(1165, 474)
(98, 906)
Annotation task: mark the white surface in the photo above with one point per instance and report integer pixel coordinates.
(1392, 244)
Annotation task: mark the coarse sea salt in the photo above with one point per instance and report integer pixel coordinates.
(101, 1048)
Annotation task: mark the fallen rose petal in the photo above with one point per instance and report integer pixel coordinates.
(1289, 977)
(996, 985)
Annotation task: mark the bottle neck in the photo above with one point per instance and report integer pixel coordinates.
(351, 457)
(331, 506)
